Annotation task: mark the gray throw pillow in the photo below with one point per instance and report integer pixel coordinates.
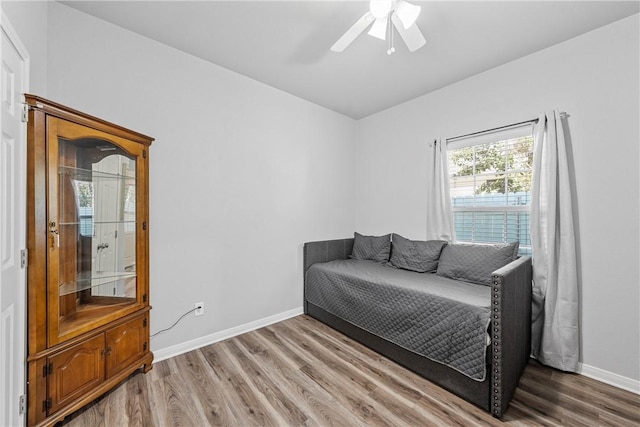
(475, 262)
(373, 248)
(415, 255)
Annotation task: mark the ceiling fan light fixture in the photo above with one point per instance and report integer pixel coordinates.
(407, 12)
(381, 19)
(379, 28)
(380, 8)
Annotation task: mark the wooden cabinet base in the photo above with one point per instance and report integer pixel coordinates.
(64, 378)
(143, 365)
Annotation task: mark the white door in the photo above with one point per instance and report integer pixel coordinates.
(106, 189)
(14, 81)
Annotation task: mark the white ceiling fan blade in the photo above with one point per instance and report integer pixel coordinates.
(407, 12)
(379, 28)
(412, 36)
(353, 32)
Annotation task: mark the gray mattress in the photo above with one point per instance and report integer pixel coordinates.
(442, 319)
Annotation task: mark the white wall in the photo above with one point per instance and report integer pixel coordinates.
(29, 19)
(594, 78)
(241, 173)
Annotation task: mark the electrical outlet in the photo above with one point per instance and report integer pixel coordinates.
(199, 308)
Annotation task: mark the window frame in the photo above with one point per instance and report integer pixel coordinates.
(483, 138)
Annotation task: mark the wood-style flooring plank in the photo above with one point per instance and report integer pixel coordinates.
(215, 405)
(301, 372)
(350, 390)
(137, 408)
(247, 409)
(282, 405)
(319, 402)
(174, 402)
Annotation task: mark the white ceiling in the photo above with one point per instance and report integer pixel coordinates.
(285, 44)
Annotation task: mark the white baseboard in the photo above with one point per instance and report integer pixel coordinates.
(610, 378)
(175, 350)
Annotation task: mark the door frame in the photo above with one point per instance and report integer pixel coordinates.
(15, 414)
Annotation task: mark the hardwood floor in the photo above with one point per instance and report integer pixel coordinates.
(301, 372)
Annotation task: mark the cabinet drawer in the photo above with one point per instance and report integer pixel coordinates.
(126, 344)
(75, 371)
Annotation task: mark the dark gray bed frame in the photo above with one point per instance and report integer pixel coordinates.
(510, 330)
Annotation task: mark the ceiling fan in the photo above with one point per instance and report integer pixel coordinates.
(383, 14)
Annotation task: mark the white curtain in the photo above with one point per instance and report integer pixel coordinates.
(555, 333)
(439, 213)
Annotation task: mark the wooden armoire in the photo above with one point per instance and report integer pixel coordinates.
(88, 258)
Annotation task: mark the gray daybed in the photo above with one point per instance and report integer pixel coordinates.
(424, 305)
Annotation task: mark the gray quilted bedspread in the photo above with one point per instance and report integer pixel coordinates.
(439, 318)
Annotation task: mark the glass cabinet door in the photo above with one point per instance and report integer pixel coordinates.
(93, 222)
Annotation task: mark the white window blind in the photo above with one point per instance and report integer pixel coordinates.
(490, 184)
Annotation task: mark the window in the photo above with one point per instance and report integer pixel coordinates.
(490, 184)
(84, 200)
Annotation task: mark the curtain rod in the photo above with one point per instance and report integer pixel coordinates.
(562, 115)
(492, 130)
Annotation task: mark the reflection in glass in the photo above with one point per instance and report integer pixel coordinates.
(84, 198)
(97, 226)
